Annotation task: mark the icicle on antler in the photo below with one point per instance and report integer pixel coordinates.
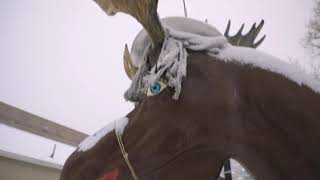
(247, 40)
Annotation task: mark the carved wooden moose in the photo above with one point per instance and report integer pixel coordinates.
(197, 105)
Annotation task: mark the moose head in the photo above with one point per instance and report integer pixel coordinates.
(199, 101)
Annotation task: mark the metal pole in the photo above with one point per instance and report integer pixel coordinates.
(185, 9)
(53, 152)
(227, 170)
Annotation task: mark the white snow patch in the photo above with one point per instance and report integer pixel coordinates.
(256, 58)
(196, 42)
(117, 125)
(120, 124)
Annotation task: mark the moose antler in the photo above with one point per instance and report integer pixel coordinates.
(247, 40)
(145, 11)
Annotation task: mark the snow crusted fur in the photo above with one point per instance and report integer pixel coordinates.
(172, 62)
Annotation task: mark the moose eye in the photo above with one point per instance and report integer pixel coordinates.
(156, 88)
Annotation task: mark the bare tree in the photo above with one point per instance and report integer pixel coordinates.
(312, 40)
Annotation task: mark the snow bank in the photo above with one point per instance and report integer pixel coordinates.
(117, 125)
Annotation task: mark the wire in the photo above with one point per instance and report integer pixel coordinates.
(185, 9)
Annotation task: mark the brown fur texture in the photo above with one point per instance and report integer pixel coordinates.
(265, 121)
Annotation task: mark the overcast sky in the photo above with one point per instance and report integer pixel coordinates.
(62, 60)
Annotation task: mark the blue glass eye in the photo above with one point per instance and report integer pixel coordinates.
(155, 88)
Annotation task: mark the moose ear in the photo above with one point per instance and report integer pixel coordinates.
(247, 40)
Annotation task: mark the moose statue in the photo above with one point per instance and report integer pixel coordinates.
(200, 99)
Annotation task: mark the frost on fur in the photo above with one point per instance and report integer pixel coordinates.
(171, 65)
(172, 62)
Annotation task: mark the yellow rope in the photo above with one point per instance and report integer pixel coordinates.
(125, 156)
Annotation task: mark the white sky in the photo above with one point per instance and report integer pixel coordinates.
(62, 60)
